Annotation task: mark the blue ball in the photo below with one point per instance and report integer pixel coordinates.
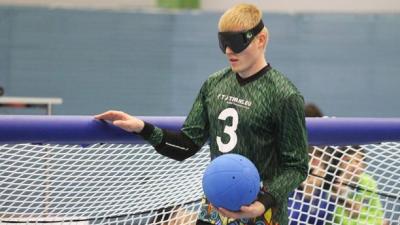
(231, 181)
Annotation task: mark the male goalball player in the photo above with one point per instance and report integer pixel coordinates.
(249, 108)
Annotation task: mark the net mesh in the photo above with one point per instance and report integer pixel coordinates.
(132, 184)
(104, 184)
(349, 185)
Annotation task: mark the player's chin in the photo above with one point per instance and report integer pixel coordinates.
(235, 68)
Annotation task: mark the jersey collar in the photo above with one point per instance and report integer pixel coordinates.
(243, 81)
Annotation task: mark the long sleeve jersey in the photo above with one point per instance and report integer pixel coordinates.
(260, 117)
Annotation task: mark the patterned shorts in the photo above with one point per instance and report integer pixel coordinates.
(210, 215)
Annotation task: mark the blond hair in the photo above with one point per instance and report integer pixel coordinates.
(240, 17)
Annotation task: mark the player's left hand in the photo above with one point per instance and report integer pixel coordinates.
(251, 211)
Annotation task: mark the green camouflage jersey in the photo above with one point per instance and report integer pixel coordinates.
(261, 118)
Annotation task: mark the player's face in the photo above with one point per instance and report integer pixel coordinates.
(246, 61)
(317, 160)
(352, 166)
(357, 164)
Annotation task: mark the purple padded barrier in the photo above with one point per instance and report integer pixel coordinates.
(85, 130)
(82, 130)
(352, 131)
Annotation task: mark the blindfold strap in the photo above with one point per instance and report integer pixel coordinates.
(255, 30)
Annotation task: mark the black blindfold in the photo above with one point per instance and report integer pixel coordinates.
(238, 41)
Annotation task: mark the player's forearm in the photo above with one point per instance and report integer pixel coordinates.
(292, 148)
(173, 145)
(279, 189)
(288, 180)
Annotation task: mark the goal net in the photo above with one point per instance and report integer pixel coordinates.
(73, 170)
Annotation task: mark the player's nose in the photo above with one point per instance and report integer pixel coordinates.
(229, 50)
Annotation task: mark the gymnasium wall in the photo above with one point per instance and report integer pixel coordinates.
(288, 6)
(153, 63)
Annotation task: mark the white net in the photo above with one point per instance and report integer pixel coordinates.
(100, 184)
(132, 184)
(350, 185)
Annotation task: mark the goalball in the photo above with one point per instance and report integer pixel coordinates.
(231, 181)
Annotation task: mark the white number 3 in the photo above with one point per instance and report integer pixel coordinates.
(230, 130)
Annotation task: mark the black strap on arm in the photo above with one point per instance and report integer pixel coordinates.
(266, 199)
(177, 146)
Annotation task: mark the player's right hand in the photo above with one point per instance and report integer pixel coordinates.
(122, 120)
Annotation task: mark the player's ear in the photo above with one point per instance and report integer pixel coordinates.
(262, 40)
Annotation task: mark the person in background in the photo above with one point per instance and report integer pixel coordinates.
(356, 190)
(312, 110)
